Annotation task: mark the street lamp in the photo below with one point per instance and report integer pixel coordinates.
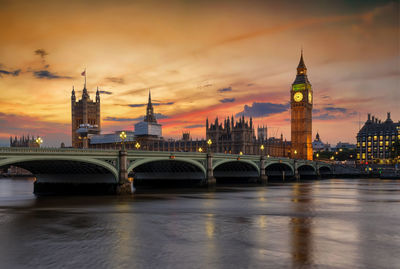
(240, 153)
(200, 149)
(209, 142)
(262, 148)
(39, 141)
(137, 145)
(317, 155)
(122, 135)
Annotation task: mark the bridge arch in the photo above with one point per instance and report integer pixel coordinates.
(167, 169)
(279, 170)
(307, 171)
(61, 167)
(325, 170)
(251, 163)
(231, 171)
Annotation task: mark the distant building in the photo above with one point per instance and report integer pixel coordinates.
(239, 136)
(85, 117)
(344, 145)
(25, 142)
(376, 139)
(318, 145)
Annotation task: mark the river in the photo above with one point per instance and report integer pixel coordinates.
(335, 223)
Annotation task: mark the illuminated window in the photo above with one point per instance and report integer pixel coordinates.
(387, 137)
(393, 137)
(380, 143)
(387, 143)
(363, 156)
(358, 155)
(358, 144)
(369, 144)
(363, 144)
(369, 149)
(381, 137)
(369, 137)
(375, 137)
(398, 137)
(380, 149)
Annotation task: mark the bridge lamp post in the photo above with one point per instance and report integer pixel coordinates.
(39, 141)
(137, 145)
(122, 135)
(240, 153)
(200, 150)
(262, 149)
(209, 142)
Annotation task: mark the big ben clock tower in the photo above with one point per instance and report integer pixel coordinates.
(301, 100)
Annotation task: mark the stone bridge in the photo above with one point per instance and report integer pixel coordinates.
(85, 166)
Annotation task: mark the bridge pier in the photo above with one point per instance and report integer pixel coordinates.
(210, 179)
(263, 177)
(124, 185)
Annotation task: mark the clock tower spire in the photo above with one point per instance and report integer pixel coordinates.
(301, 103)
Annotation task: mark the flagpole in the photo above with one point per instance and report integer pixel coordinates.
(85, 77)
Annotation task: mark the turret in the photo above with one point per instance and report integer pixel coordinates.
(73, 97)
(207, 123)
(301, 68)
(97, 95)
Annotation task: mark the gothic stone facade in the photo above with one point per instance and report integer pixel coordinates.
(85, 111)
(301, 104)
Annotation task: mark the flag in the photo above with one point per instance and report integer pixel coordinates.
(83, 73)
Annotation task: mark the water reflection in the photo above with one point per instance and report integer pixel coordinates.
(302, 225)
(331, 223)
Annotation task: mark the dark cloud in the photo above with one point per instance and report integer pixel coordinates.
(105, 92)
(48, 75)
(227, 100)
(229, 89)
(154, 104)
(118, 119)
(140, 118)
(41, 52)
(332, 113)
(262, 109)
(338, 109)
(325, 116)
(194, 126)
(12, 73)
(136, 105)
(163, 104)
(117, 80)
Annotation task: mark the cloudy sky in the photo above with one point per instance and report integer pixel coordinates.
(200, 59)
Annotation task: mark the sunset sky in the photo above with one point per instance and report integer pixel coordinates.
(200, 59)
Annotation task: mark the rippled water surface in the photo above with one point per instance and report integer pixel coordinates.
(328, 224)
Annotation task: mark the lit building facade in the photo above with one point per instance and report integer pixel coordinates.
(376, 141)
(237, 137)
(85, 117)
(318, 145)
(24, 142)
(301, 103)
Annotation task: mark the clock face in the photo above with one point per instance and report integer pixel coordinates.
(298, 96)
(310, 97)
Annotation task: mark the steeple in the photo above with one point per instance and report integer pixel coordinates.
(301, 68)
(97, 95)
(85, 94)
(149, 112)
(73, 97)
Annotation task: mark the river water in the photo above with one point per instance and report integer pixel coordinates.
(336, 223)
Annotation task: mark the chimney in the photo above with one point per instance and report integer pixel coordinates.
(373, 119)
(388, 115)
(369, 116)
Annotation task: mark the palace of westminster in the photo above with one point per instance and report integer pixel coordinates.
(231, 136)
